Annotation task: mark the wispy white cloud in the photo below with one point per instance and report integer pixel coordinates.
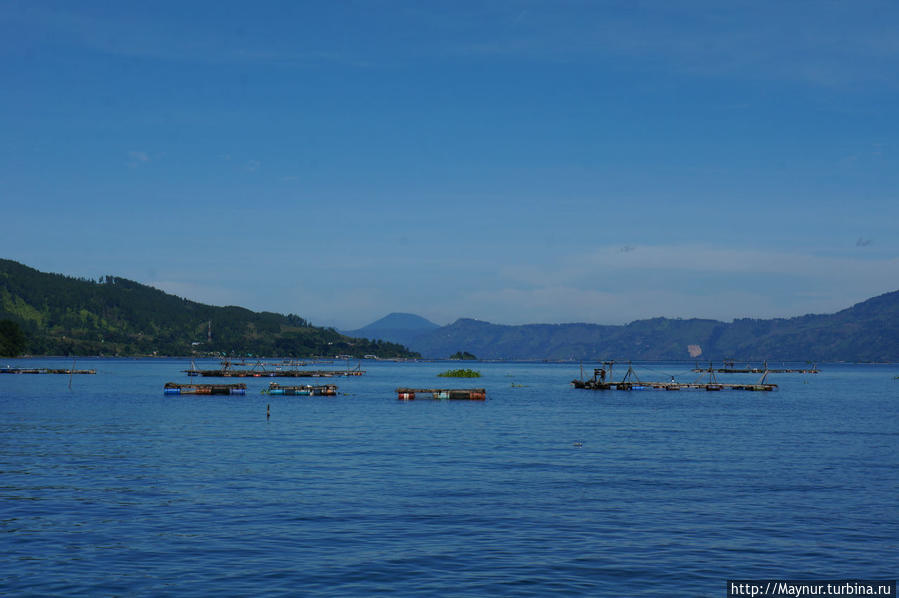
(821, 44)
(150, 35)
(690, 281)
(563, 304)
(603, 286)
(699, 258)
(137, 158)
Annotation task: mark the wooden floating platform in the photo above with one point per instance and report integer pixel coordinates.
(464, 394)
(753, 371)
(634, 385)
(325, 390)
(274, 373)
(730, 369)
(632, 382)
(44, 371)
(227, 365)
(172, 388)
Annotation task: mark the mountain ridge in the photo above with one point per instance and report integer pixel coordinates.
(397, 327)
(866, 331)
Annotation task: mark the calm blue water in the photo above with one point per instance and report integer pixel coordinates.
(112, 488)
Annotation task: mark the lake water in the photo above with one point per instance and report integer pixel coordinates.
(111, 488)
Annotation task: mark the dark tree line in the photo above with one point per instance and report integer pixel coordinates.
(12, 339)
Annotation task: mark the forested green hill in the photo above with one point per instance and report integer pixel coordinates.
(61, 315)
(867, 331)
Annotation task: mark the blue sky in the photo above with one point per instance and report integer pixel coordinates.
(516, 162)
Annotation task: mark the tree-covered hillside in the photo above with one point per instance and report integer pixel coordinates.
(12, 339)
(61, 315)
(868, 331)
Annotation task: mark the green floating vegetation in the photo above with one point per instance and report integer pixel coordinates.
(461, 373)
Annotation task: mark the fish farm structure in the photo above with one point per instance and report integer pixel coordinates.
(465, 394)
(730, 369)
(602, 380)
(44, 371)
(172, 388)
(325, 390)
(259, 370)
(276, 373)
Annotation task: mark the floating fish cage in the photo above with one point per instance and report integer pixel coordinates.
(729, 368)
(325, 390)
(711, 387)
(274, 373)
(44, 371)
(602, 381)
(263, 369)
(172, 388)
(452, 394)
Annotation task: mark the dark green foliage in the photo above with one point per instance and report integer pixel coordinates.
(116, 316)
(462, 355)
(460, 374)
(12, 339)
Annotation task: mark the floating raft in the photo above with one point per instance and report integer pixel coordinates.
(274, 373)
(325, 390)
(632, 382)
(258, 369)
(44, 371)
(634, 385)
(171, 388)
(465, 394)
(730, 369)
